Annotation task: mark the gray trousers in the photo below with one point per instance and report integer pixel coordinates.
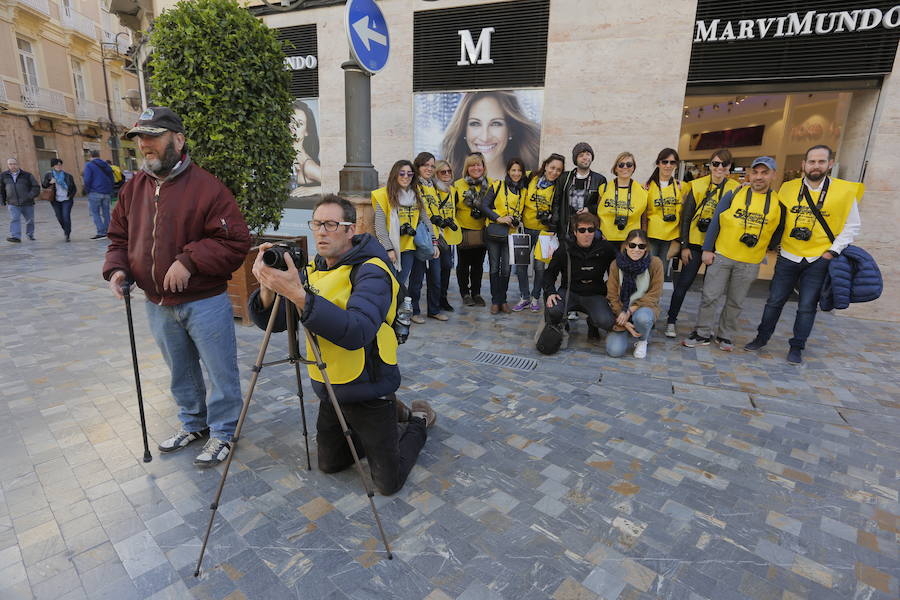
(731, 279)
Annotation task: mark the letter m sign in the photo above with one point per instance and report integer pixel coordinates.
(471, 53)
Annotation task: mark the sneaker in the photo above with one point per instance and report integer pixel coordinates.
(67, 238)
(13, 240)
(725, 345)
(439, 317)
(31, 237)
(181, 439)
(572, 316)
(214, 452)
(99, 236)
(422, 410)
(478, 300)
(535, 305)
(640, 349)
(522, 305)
(695, 340)
(446, 306)
(418, 319)
(670, 330)
(468, 301)
(795, 355)
(756, 344)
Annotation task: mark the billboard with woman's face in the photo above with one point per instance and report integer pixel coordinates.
(306, 173)
(500, 124)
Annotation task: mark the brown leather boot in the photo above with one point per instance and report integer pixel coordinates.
(505, 308)
(495, 308)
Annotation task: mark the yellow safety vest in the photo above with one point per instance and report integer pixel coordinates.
(662, 204)
(464, 212)
(507, 203)
(441, 204)
(537, 200)
(836, 207)
(739, 219)
(406, 214)
(611, 204)
(345, 365)
(699, 188)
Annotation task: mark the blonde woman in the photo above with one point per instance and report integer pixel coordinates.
(623, 200)
(470, 190)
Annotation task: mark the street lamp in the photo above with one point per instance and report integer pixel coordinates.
(113, 130)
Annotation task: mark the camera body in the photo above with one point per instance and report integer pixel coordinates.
(545, 217)
(669, 218)
(750, 240)
(801, 233)
(407, 229)
(278, 255)
(437, 220)
(620, 222)
(444, 222)
(515, 221)
(703, 224)
(477, 213)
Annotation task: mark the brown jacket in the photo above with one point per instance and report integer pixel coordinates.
(650, 299)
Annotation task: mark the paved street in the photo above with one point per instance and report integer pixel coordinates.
(694, 474)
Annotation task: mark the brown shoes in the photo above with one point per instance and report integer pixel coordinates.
(505, 308)
(422, 410)
(439, 317)
(495, 308)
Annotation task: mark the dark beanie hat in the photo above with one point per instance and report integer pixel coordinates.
(579, 148)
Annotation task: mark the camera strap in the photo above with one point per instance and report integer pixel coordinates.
(768, 204)
(519, 201)
(616, 197)
(662, 202)
(710, 192)
(816, 208)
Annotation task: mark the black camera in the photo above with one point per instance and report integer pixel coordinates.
(514, 220)
(703, 224)
(477, 213)
(276, 256)
(801, 233)
(620, 222)
(407, 229)
(545, 217)
(749, 239)
(450, 224)
(437, 220)
(669, 218)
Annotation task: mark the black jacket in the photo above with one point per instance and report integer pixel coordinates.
(20, 192)
(48, 180)
(562, 210)
(589, 265)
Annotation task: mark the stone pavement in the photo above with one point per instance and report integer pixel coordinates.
(693, 474)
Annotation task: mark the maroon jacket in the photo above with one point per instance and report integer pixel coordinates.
(190, 216)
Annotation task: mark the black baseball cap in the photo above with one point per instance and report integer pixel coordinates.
(156, 120)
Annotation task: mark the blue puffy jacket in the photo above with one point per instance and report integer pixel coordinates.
(852, 277)
(98, 177)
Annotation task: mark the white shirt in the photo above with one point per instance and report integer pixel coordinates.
(843, 239)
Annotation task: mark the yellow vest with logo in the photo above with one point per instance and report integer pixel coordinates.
(839, 200)
(537, 200)
(345, 365)
(406, 214)
(464, 212)
(607, 209)
(433, 198)
(699, 188)
(731, 226)
(662, 204)
(508, 203)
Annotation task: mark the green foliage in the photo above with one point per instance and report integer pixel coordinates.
(222, 71)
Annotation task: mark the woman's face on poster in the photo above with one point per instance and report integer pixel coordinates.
(300, 124)
(486, 128)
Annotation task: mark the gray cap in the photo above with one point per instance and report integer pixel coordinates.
(764, 160)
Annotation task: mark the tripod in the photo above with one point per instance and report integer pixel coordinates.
(294, 358)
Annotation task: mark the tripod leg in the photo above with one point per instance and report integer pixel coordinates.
(340, 415)
(294, 355)
(126, 292)
(257, 367)
(303, 415)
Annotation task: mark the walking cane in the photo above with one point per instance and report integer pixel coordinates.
(126, 292)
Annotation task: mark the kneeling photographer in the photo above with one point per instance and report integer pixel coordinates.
(350, 304)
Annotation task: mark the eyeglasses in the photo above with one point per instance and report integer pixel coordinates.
(405, 174)
(328, 225)
(718, 163)
(626, 165)
(585, 229)
(668, 162)
(445, 172)
(632, 245)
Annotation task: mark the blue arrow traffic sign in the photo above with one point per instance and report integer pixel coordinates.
(367, 32)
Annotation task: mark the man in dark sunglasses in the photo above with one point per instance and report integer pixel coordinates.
(587, 259)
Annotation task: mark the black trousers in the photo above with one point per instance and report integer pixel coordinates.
(470, 269)
(683, 282)
(375, 434)
(597, 308)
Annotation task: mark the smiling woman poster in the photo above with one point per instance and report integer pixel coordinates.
(499, 124)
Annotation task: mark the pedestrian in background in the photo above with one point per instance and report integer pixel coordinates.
(98, 185)
(63, 185)
(18, 189)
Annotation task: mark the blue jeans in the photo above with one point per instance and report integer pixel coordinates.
(407, 259)
(195, 332)
(420, 269)
(617, 341)
(21, 212)
(498, 259)
(807, 277)
(99, 205)
(522, 271)
(63, 211)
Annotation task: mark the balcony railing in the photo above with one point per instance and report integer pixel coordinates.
(3, 97)
(80, 23)
(38, 98)
(42, 6)
(90, 110)
(123, 43)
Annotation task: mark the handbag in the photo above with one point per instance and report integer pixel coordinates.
(47, 194)
(497, 232)
(422, 240)
(472, 238)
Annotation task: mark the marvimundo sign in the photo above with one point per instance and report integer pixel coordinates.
(793, 24)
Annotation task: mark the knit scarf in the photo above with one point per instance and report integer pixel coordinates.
(630, 269)
(472, 197)
(60, 177)
(441, 185)
(514, 186)
(543, 183)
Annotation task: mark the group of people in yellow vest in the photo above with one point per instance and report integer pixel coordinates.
(599, 228)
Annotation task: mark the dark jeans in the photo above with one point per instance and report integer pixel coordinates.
(63, 212)
(375, 434)
(469, 270)
(446, 266)
(597, 308)
(660, 248)
(420, 269)
(498, 258)
(807, 277)
(684, 281)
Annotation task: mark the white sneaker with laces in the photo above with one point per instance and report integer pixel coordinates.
(670, 330)
(214, 452)
(640, 349)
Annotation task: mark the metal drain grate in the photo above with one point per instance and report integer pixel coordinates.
(506, 361)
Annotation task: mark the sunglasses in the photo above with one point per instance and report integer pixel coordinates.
(718, 163)
(405, 174)
(632, 245)
(444, 172)
(626, 165)
(585, 229)
(668, 162)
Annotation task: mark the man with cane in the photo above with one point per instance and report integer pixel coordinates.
(178, 233)
(349, 305)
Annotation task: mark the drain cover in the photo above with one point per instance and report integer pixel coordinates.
(506, 361)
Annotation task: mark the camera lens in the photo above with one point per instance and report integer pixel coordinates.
(437, 220)
(668, 218)
(703, 224)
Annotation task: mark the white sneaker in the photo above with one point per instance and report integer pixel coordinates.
(573, 316)
(670, 330)
(640, 349)
(214, 452)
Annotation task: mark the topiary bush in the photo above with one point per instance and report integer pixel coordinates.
(222, 71)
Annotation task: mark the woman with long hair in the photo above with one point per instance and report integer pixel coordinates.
(469, 190)
(493, 124)
(429, 271)
(451, 232)
(503, 206)
(398, 212)
(307, 169)
(633, 289)
(622, 200)
(664, 196)
(537, 216)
